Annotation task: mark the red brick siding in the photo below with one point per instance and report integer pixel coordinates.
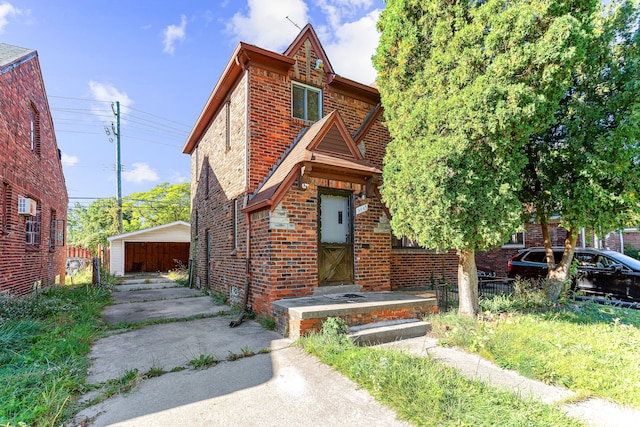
(214, 209)
(418, 268)
(372, 244)
(34, 174)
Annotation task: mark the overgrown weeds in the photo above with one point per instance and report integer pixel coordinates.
(426, 392)
(44, 342)
(180, 273)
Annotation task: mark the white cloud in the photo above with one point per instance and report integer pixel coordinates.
(141, 172)
(178, 178)
(266, 25)
(107, 92)
(69, 160)
(7, 10)
(353, 48)
(174, 33)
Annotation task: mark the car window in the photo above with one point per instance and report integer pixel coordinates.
(535, 256)
(586, 260)
(619, 258)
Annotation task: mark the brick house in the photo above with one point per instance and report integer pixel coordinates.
(286, 159)
(33, 194)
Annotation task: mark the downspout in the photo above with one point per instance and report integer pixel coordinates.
(247, 280)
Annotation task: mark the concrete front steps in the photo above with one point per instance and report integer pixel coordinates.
(388, 331)
(296, 317)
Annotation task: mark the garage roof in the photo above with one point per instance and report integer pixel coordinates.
(149, 230)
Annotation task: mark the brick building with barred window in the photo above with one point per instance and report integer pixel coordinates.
(33, 194)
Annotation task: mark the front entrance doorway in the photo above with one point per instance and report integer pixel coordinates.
(335, 238)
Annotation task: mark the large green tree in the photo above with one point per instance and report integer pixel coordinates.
(585, 167)
(162, 204)
(90, 226)
(464, 84)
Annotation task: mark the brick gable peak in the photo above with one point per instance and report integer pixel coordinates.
(308, 33)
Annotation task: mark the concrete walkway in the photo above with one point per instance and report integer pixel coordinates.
(593, 412)
(278, 386)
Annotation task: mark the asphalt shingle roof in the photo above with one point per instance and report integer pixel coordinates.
(10, 54)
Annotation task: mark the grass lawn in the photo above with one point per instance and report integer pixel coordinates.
(589, 348)
(44, 343)
(428, 393)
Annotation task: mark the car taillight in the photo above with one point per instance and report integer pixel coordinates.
(509, 265)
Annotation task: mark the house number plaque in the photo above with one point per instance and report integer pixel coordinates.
(361, 209)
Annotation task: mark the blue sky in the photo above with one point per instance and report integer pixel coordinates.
(160, 59)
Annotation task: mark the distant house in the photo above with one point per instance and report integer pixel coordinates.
(33, 194)
(153, 249)
(286, 160)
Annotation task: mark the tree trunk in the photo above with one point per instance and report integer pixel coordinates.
(467, 284)
(558, 274)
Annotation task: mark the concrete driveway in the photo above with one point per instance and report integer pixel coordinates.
(278, 386)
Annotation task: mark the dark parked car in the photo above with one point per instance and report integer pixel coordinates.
(601, 273)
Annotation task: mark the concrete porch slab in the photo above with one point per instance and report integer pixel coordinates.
(298, 316)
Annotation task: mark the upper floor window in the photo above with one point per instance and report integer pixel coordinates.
(228, 125)
(34, 128)
(307, 102)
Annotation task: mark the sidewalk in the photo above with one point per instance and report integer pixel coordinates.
(593, 412)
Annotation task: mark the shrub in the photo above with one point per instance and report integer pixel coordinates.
(335, 326)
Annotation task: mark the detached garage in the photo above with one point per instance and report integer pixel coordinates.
(150, 250)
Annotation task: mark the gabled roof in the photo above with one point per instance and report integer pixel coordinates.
(246, 54)
(12, 56)
(175, 224)
(308, 33)
(325, 147)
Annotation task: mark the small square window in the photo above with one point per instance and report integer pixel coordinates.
(307, 102)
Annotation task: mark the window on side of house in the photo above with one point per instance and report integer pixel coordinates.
(306, 102)
(34, 129)
(56, 231)
(234, 224)
(5, 200)
(207, 176)
(32, 231)
(228, 125)
(515, 241)
(195, 228)
(404, 243)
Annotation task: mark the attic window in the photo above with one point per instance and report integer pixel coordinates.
(307, 102)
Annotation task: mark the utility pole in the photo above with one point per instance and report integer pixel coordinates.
(116, 132)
